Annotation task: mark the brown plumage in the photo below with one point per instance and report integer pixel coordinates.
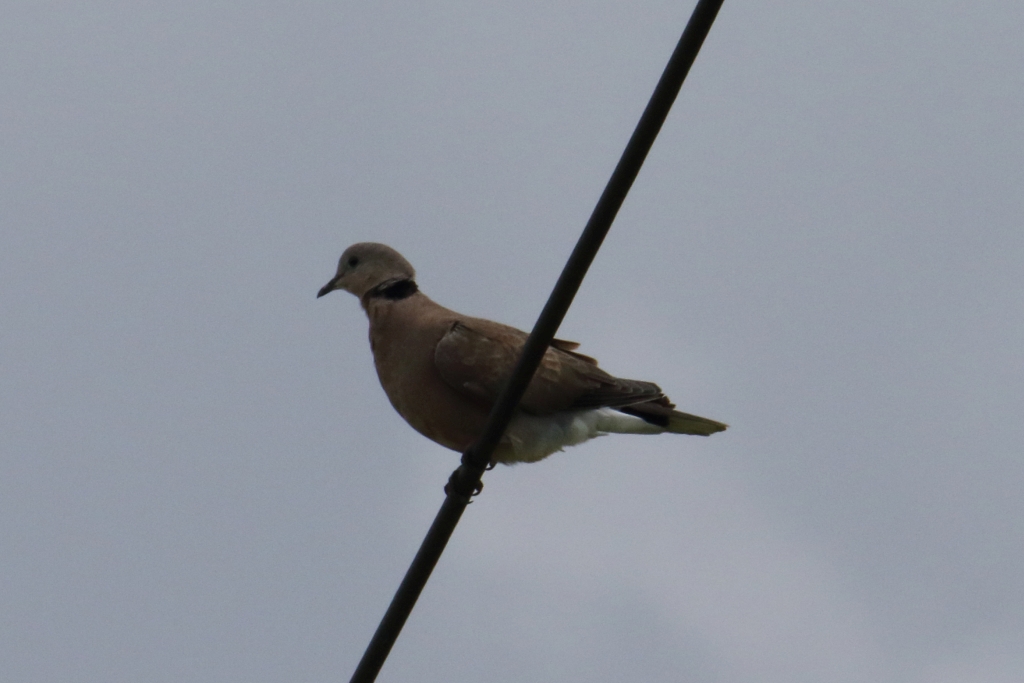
(442, 371)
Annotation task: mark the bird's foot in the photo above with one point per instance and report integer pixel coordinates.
(456, 486)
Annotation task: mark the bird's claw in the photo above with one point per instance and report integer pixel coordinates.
(452, 489)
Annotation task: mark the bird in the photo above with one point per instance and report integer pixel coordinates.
(443, 371)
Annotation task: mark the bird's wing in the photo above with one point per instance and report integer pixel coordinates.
(475, 357)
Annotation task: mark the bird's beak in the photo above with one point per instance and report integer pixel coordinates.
(328, 288)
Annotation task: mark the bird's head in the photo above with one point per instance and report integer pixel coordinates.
(367, 266)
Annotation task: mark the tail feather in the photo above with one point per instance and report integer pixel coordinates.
(673, 420)
(684, 423)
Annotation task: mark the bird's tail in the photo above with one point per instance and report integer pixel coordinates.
(663, 415)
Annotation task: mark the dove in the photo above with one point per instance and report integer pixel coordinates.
(443, 371)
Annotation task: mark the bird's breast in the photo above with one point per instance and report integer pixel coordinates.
(403, 347)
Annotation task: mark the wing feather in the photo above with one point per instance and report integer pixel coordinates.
(475, 357)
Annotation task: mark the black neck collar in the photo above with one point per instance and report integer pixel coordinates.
(393, 290)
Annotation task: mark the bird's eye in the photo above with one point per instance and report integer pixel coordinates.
(353, 261)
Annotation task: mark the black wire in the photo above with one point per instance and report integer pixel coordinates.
(466, 480)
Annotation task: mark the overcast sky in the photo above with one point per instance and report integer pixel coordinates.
(201, 479)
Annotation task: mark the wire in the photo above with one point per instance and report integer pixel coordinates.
(465, 481)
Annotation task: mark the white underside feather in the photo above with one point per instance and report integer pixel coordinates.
(531, 438)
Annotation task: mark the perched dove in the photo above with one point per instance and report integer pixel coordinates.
(442, 371)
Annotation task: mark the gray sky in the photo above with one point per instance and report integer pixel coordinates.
(201, 479)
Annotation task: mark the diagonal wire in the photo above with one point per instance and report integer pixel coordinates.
(466, 480)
